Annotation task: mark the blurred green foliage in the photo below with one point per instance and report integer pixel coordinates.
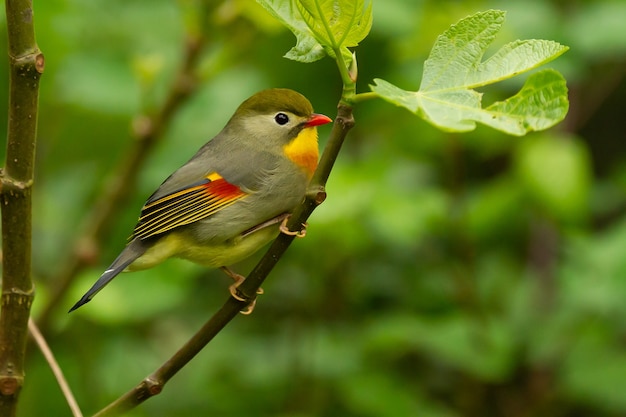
(446, 275)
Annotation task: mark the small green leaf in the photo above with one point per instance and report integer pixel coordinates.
(322, 26)
(307, 48)
(454, 68)
(360, 31)
(337, 23)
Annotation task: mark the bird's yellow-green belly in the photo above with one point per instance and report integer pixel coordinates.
(211, 255)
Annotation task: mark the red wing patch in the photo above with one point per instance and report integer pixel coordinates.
(186, 206)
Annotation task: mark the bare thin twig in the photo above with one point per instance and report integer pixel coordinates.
(54, 366)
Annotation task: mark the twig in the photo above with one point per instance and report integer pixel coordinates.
(26, 66)
(148, 131)
(154, 383)
(54, 366)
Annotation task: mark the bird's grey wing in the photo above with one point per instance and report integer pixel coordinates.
(209, 182)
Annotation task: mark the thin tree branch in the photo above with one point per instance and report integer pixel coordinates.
(54, 366)
(154, 383)
(26, 66)
(148, 131)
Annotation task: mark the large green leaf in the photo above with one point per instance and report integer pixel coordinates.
(447, 98)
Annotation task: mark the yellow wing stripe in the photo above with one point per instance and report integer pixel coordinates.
(186, 206)
(173, 196)
(150, 211)
(157, 221)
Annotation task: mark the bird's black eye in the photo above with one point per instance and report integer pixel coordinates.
(281, 118)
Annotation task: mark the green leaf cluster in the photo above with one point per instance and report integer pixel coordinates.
(455, 68)
(447, 97)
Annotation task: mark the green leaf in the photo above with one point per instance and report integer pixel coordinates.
(322, 26)
(337, 24)
(540, 104)
(307, 48)
(447, 98)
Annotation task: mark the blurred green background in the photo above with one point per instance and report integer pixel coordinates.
(446, 274)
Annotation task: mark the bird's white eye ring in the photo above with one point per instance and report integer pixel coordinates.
(281, 118)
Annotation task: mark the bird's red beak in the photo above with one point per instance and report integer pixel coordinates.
(317, 119)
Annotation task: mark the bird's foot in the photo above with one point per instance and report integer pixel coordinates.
(233, 289)
(299, 233)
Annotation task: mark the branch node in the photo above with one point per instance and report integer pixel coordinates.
(317, 194)
(27, 62)
(7, 183)
(345, 117)
(40, 63)
(153, 386)
(10, 384)
(18, 298)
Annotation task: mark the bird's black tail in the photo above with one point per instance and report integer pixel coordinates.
(130, 253)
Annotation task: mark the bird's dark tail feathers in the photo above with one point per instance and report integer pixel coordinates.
(133, 251)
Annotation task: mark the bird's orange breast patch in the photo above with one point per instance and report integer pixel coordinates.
(303, 150)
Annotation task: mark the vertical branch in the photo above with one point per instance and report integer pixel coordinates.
(26, 66)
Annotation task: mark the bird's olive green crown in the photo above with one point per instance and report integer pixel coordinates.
(276, 100)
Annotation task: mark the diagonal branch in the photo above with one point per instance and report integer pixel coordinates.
(154, 383)
(16, 179)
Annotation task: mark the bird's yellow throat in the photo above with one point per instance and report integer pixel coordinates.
(303, 150)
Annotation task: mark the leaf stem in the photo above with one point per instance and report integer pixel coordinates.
(361, 97)
(349, 82)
